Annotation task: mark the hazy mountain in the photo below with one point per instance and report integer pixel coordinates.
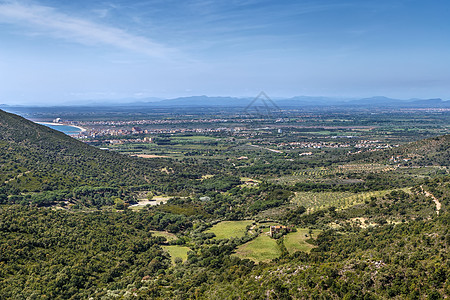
(203, 101)
(377, 100)
(381, 101)
(300, 101)
(207, 101)
(310, 101)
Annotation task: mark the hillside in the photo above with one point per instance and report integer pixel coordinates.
(35, 158)
(428, 152)
(105, 255)
(381, 235)
(36, 152)
(42, 166)
(433, 151)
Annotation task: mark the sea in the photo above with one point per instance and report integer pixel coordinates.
(67, 129)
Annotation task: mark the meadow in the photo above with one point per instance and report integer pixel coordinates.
(177, 251)
(228, 229)
(261, 249)
(297, 241)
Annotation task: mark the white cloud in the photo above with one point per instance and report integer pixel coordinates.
(47, 20)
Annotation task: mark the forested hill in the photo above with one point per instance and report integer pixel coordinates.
(20, 131)
(35, 158)
(431, 151)
(428, 152)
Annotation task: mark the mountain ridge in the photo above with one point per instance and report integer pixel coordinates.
(296, 101)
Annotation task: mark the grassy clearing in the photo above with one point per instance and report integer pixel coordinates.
(246, 179)
(177, 251)
(169, 236)
(154, 201)
(228, 229)
(249, 182)
(296, 241)
(261, 249)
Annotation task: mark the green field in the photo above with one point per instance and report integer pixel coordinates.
(296, 241)
(263, 248)
(177, 251)
(228, 229)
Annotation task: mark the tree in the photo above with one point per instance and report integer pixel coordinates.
(119, 203)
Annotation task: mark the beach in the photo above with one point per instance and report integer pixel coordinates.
(61, 124)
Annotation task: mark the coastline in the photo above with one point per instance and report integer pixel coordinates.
(61, 124)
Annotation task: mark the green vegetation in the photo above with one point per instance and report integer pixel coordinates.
(177, 252)
(230, 229)
(369, 202)
(261, 249)
(371, 264)
(314, 200)
(63, 255)
(167, 235)
(300, 240)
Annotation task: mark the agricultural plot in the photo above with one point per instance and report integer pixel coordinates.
(179, 147)
(296, 241)
(352, 168)
(316, 172)
(358, 168)
(177, 251)
(261, 249)
(314, 201)
(229, 229)
(422, 172)
(194, 138)
(325, 172)
(275, 213)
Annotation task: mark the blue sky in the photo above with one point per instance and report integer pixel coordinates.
(63, 52)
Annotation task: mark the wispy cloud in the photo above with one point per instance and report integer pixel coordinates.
(39, 19)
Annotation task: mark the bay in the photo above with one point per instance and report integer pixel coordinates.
(67, 129)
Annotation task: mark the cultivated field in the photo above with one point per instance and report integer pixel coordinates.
(331, 172)
(313, 201)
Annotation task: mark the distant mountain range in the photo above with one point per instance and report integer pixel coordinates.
(299, 101)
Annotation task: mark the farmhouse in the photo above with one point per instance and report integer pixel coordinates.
(278, 229)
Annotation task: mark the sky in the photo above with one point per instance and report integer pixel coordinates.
(68, 52)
